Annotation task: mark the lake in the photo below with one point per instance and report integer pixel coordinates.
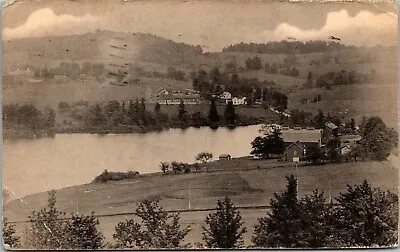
(31, 166)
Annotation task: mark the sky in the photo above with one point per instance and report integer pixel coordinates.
(210, 24)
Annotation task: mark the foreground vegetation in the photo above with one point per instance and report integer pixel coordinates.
(361, 216)
(249, 183)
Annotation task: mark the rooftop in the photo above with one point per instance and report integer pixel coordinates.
(179, 96)
(331, 125)
(301, 135)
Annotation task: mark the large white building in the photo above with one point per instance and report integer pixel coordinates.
(239, 101)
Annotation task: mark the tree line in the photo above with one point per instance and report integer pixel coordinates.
(286, 47)
(288, 67)
(70, 69)
(27, 118)
(135, 114)
(342, 77)
(361, 216)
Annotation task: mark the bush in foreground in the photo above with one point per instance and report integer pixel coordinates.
(50, 229)
(9, 235)
(362, 216)
(158, 229)
(224, 227)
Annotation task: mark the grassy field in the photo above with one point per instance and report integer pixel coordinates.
(352, 101)
(50, 93)
(249, 183)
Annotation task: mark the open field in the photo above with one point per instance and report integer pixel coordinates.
(352, 101)
(249, 183)
(50, 93)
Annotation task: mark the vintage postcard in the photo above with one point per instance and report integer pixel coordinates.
(167, 124)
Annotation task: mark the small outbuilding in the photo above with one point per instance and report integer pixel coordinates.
(225, 157)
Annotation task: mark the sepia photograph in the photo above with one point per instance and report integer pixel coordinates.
(199, 124)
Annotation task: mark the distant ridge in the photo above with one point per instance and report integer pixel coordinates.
(100, 46)
(287, 47)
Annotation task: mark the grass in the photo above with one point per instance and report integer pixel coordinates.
(248, 182)
(352, 101)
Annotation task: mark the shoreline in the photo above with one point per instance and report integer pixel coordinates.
(13, 134)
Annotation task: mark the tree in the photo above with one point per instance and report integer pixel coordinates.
(51, 118)
(356, 151)
(81, 233)
(309, 82)
(320, 120)
(353, 124)
(378, 139)
(230, 114)
(270, 143)
(333, 146)
(213, 116)
(127, 234)
(198, 120)
(51, 230)
(157, 229)
(366, 216)
(112, 107)
(97, 116)
(204, 157)
(164, 167)
(142, 112)
(281, 227)
(315, 222)
(157, 108)
(9, 235)
(314, 154)
(224, 227)
(182, 112)
(47, 226)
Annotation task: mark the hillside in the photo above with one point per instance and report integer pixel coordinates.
(248, 183)
(151, 54)
(101, 46)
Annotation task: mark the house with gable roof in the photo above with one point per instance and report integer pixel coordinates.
(296, 141)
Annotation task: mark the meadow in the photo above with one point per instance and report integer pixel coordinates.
(249, 183)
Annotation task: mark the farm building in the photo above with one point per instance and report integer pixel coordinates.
(296, 141)
(169, 96)
(225, 157)
(295, 150)
(330, 131)
(237, 101)
(226, 96)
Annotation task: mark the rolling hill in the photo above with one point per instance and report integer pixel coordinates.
(99, 47)
(117, 50)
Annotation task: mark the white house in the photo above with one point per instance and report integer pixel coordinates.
(239, 101)
(226, 96)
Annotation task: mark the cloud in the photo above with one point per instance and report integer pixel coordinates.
(365, 28)
(44, 22)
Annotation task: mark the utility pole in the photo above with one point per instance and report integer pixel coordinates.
(77, 203)
(189, 195)
(297, 184)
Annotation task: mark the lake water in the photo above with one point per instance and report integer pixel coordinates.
(31, 166)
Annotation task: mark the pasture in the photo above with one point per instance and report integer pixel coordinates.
(250, 184)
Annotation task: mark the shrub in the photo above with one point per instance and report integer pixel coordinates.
(224, 227)
(158, 229)
(106, 176)
(9, 235)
